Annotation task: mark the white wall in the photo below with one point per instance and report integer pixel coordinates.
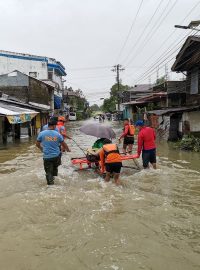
(193, 119)
(57, 79)
(9, 64)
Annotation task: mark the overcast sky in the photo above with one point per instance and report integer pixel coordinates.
(87, 36)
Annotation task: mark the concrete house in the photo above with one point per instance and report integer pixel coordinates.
(21, 93)
(42, 68)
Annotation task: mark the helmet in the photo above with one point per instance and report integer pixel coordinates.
(139, 123)
(61, 118)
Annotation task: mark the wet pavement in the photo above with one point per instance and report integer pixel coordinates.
(152, 222)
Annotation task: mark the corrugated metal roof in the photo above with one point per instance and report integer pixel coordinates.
(183, 54)
(146, 99)
(22, 105)
(8, 109)
(173, 110)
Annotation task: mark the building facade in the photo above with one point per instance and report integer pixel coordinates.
(42, 68)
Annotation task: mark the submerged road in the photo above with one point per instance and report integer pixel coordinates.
(83, 223)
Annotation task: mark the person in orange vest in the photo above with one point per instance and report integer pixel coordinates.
(110, 161)
(61, 127)
(128, 135)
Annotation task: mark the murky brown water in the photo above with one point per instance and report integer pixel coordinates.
(83, 223)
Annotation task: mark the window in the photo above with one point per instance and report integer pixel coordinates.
(50, 75)
(33, 74)
(194, 82)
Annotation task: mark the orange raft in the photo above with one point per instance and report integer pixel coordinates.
(82, 161)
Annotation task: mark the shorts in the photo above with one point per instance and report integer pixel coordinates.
(127, 141)
(113, 167)
(148, 156)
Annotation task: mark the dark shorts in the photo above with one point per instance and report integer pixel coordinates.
(127, 141)
(148, 156)
(113, 167)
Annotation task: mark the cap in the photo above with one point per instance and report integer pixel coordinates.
(139, 123)
(61, 118)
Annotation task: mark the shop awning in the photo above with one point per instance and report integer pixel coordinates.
(16, 114)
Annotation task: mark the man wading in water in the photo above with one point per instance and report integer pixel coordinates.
(128, 135)
(146, 144)
(49, 141)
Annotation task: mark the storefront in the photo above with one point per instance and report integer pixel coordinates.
(15, 122)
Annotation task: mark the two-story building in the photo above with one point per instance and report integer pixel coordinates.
(19, 93)
(42, 68)
(182, 113)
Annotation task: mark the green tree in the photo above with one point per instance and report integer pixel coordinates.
(160, 80)
(114, 90)
(94, 108)
(109, 104)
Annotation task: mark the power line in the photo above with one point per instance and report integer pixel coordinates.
(130, 30)
(150, 35)
(157, 63)
(89, 68)
(172, 45)
(92, 77)
(145, 28)
(164, 42)
(151, 72)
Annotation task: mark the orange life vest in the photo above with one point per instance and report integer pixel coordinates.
(111, 153)
(131, 130)
(61, 129)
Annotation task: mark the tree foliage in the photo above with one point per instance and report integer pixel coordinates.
(160, 80)
(109, 104)
(94, 108)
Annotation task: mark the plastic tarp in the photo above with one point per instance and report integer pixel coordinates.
(15, 114)
(57, 102)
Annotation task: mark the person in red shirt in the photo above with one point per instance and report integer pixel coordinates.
(128, 136)
(146, 144)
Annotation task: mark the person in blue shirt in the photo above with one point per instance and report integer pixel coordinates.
(49, 141)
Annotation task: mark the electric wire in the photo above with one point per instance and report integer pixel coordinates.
(150, 36)
(152, 71)
(160, 58)
(89, 68)
(130, 30)
(170, 35)
(145, 28)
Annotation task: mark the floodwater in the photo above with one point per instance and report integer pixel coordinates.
(152, 222)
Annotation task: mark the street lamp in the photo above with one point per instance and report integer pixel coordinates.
(192, 25)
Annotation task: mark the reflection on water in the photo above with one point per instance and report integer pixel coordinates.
(83, 223)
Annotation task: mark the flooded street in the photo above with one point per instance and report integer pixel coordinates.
(83, 223)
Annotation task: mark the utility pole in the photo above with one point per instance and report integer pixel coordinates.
(118, 68)
(166, 73)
